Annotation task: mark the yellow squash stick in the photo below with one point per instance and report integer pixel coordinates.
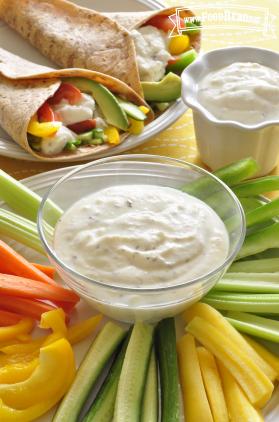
(215, 318)
(196, 406)
(213, 385)
(239, 407)
(269, 357)
(251, 378)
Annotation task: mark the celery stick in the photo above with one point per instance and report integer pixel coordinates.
(21, 230)
(265, 328)
(23, 201)
(250, 203)
(231, 175)
(263, 213)
(257, 186)
(256, 265)
(260, 241)
(267, 276)
(268, 283)
(257, 303)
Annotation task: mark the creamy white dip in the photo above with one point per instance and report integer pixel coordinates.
(244, 92)
(141, 235)
(152, 52)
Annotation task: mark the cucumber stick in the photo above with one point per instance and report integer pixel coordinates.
(103, 406)
(92, 365)
(167, 358)
(150, 398)
(133, 375)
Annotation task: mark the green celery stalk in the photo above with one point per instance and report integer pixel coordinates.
(257, 187)
(23, 201)
(250, 203)
(20, 229)
(231, 175)
(260, 241)
(263, 213)
(256, 266)
(257, 303)
(254, 325)
(248, 282)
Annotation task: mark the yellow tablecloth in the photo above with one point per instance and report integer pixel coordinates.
(227, 23)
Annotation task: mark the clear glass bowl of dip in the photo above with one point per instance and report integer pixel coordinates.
(220, 142)
(132, 303)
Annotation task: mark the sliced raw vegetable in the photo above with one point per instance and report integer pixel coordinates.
(83, 126)
(230, 175)
(213, 386)
(133, 374)
(82, 329)
(132, 110)
(239, 407)
(214, 317)
(269, 357)
(178, 64)
(66, 92)
(248, 282)
(102, 408)
(92, 365)
(260, 241)
(263, 213)
(251, 378)
(23, 201)
(178, 44)
(18, 372)
(257, 187)
(250, 203)
(44, 129)
(196, 405)
(12, 332)
(46, 269)
(257, 303)
(8, 318)
(150, 397)
(26, 307)
(11, 262)
(20, 229)
(256, 266)
(167, 358)
(255, 325)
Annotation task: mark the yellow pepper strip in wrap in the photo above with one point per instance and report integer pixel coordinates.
(17, 372)
(48, 379)
(42, 130)
(11, 332)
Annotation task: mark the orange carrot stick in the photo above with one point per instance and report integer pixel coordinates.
(26, 307)
(8, 318)
(12, 262)
(12, 285)
(46, 269)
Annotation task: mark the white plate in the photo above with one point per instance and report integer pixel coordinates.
(13, 42)
(40, 184)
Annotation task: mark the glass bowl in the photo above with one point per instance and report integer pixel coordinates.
(130, 303)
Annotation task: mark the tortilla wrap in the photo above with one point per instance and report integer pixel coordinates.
(73, 36)
(134, 20)
(25, 86)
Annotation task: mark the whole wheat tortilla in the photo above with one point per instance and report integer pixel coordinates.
(74, 37)
(25, 86)
(134, 20)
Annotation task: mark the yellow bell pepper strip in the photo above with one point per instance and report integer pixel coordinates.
(178, 44)
(112, 135)
(44, 129)
(47, 380)
(18, 358)
(144, 109)
(24, 326)
(55, 320)
(17, 372)
(79, 331)
(9, 414)
(136, 126)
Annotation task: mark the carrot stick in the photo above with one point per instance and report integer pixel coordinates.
(8, 318)
(12, 262)
(46, 269)
(26, 307)
(12, 285)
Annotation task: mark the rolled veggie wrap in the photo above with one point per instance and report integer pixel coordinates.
(73, 36)
(61, 115)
